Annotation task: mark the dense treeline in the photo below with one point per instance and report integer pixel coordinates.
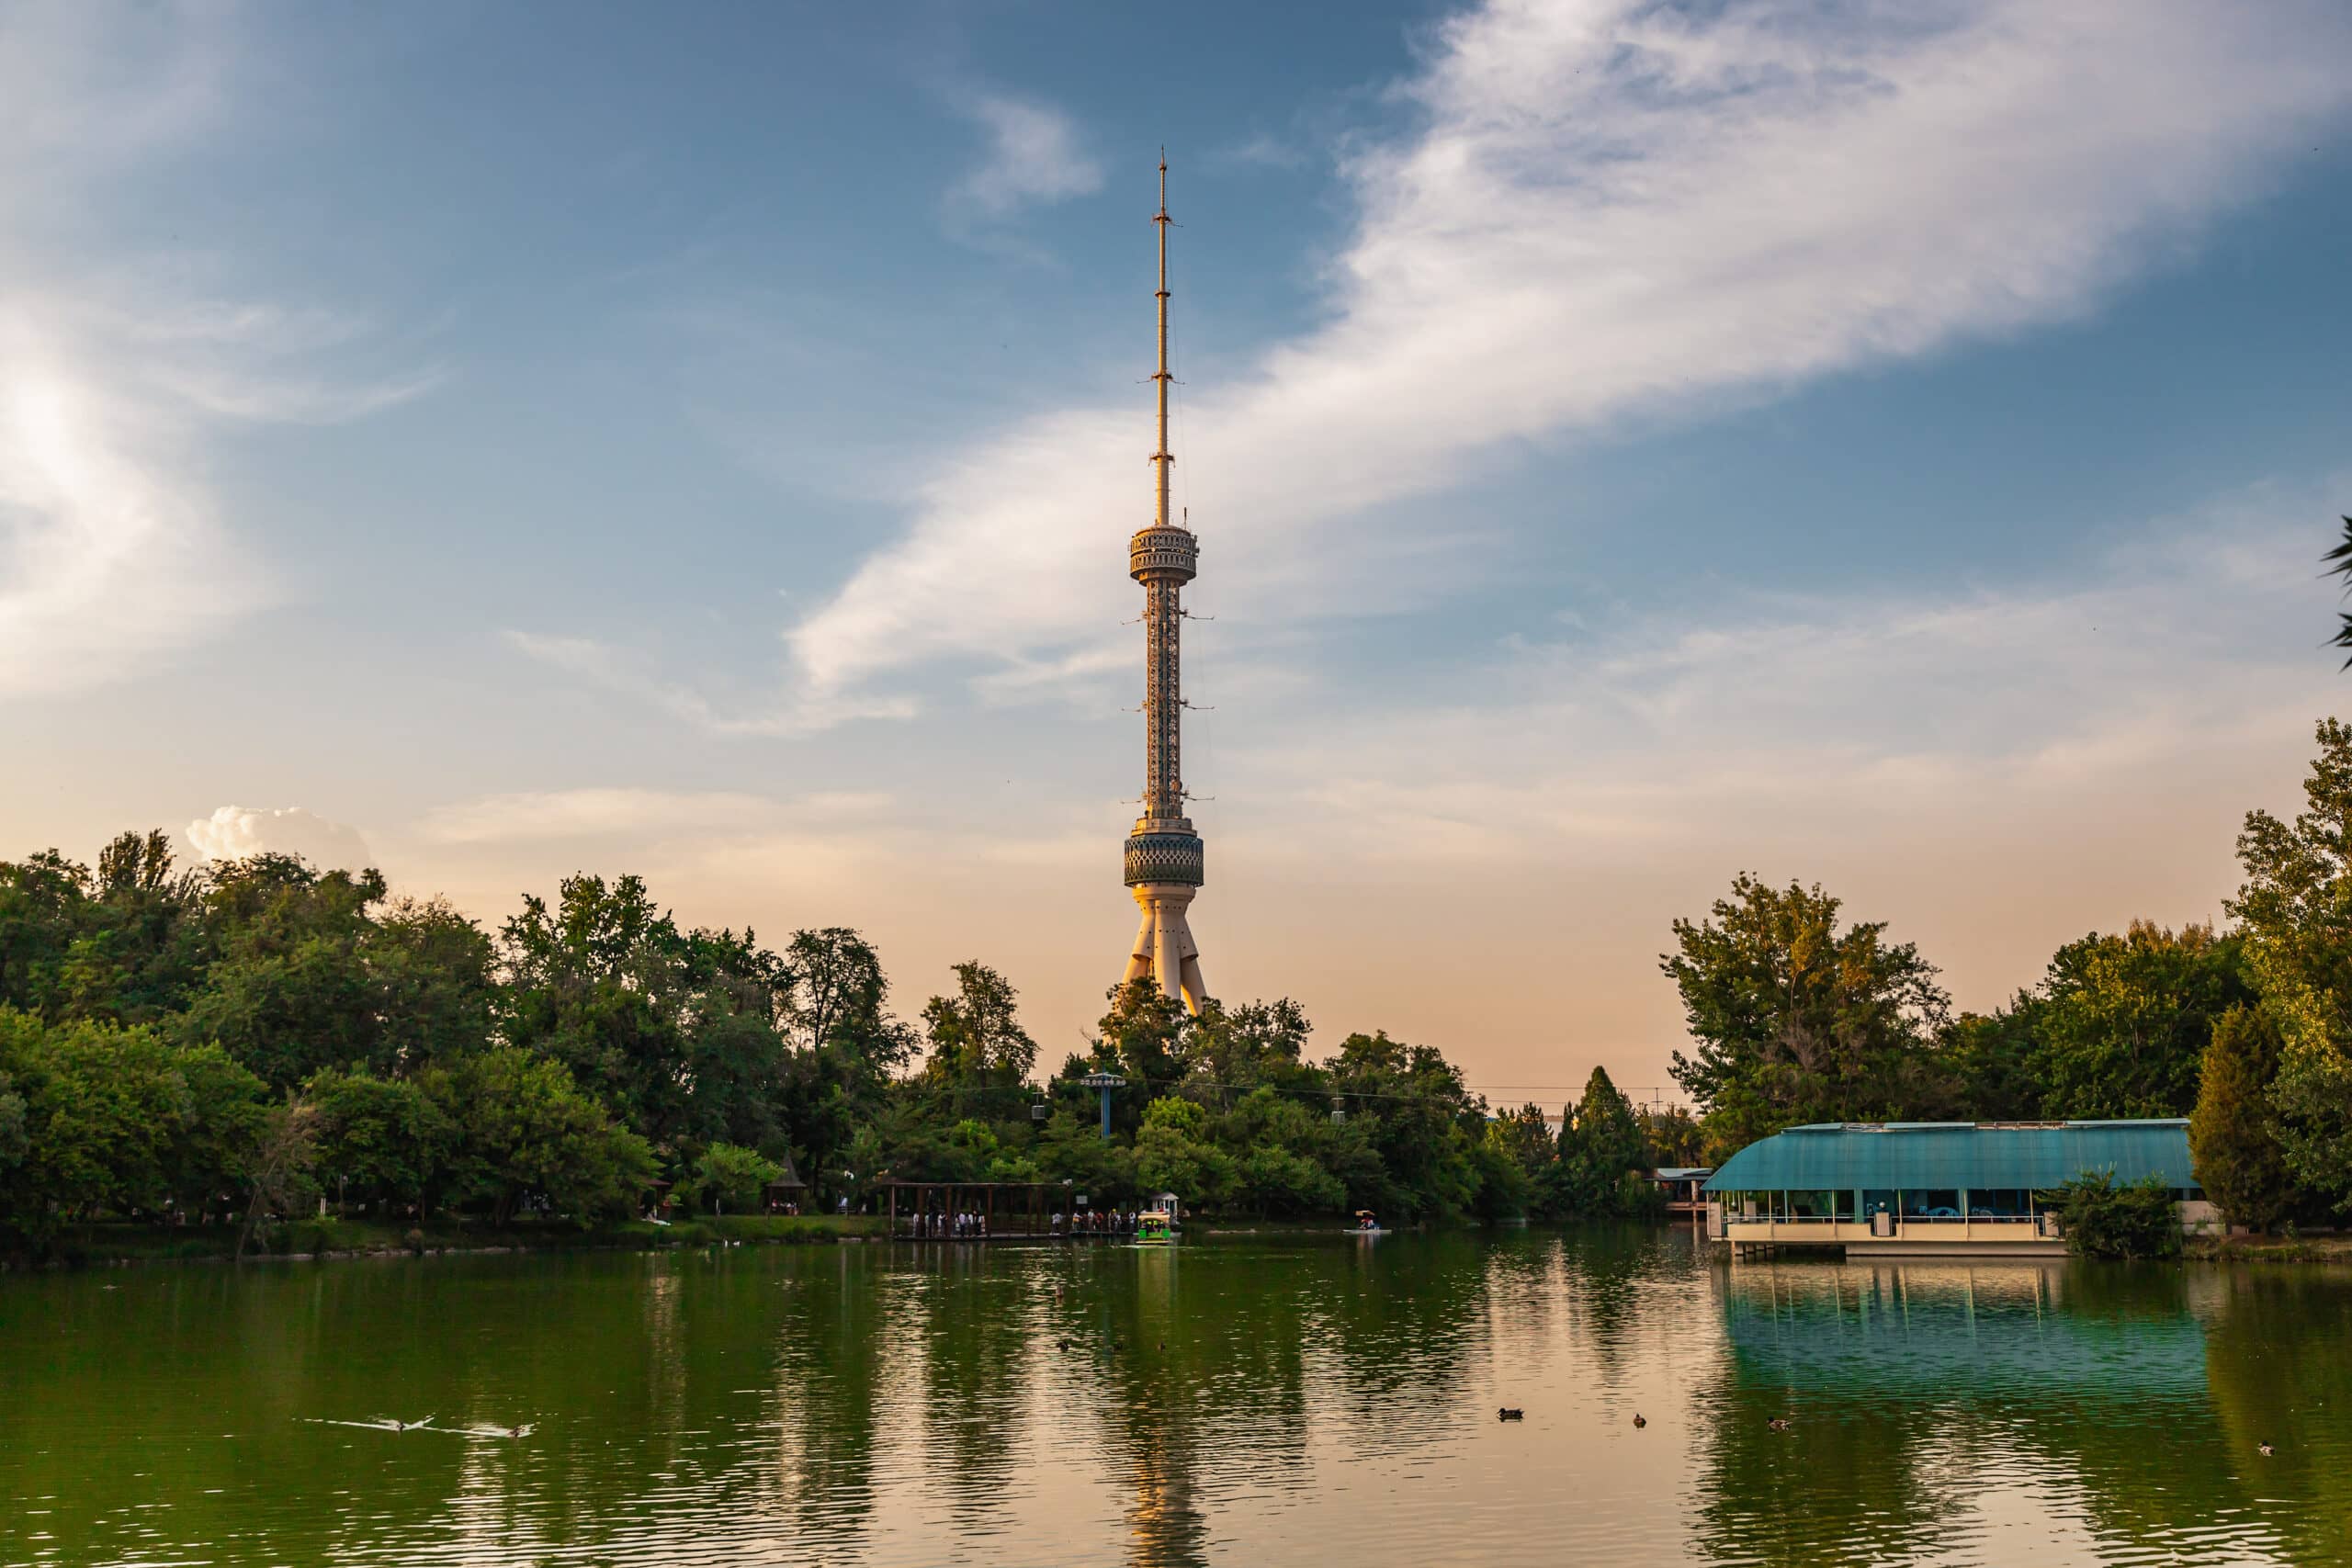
(253, 1038)
(2246, 1031)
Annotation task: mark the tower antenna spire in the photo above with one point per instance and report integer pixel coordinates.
(1162, 457)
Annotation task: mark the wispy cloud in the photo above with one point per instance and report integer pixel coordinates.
(1614, 210)
(1032, 158)
(113, 549)
(630, 674)
(1871, 716)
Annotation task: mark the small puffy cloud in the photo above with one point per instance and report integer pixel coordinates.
(1033, 157)
(234, 832)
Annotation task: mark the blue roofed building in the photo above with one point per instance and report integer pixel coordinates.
(1927, 1188)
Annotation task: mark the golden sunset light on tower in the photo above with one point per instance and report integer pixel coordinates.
(1165, 859)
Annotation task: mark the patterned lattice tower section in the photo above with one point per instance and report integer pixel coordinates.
(1165, 861)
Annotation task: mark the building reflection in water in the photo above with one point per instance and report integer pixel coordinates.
(1935, 1401)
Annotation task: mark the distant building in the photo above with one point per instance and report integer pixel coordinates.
(1927, 1189)
(1684, 1186)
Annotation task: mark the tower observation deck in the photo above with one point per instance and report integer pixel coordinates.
(1165, 859)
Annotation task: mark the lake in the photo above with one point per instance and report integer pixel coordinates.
(1285, 1398)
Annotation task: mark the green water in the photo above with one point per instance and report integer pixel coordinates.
(1250, 1400)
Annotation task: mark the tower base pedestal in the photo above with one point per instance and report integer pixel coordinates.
(1164, 952)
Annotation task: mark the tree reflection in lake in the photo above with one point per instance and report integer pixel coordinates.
(1300, 1398)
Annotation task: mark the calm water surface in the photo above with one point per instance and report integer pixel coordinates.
(1250, 1400)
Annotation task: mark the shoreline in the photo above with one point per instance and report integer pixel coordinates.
(320, 1240)
(2333, 1247)
(332, 1239)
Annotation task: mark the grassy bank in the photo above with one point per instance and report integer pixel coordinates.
(331, 1237)
(2332, 1248)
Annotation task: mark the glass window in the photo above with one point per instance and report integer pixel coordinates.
(1932, 1203)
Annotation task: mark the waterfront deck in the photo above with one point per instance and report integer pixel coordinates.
(2024, 1236)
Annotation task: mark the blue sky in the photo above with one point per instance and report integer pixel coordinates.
(1631, 442)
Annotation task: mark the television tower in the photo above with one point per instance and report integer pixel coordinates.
(1165, 857)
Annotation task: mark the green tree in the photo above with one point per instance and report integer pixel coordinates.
(2136, 1219)
(285, 988)
(1673, 1138)
(980, 1057)
(524, 1130)
(383, 1141)
(1271, 1179)
(431, 970)
(1993, 1057)
(2123, 1020)
(1526, 1139)
(1144, 1037)
(2341, 555)
(279, 1182)
(43, 908)
(136, 951)
(1599, 1145)
(1798, 1021)
(1232, 1051)
(2294, 914)
(676, 1031)
(1173, 1154)
(114, 1120)
(2233, 1133)
(222, 1116)
(728, 1176)
(1071, 1152)
(845, 1050)
(1410, 1109)
(1289, 1155)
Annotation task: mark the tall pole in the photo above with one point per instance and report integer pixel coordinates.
(1162, 457)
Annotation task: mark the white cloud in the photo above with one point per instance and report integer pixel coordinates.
(627, 674)
(1790, 718)
(113, 550)
(1032, 158)
(1613, 209)
(234, 832)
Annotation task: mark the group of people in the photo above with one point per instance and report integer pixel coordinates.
(966, 1224)
(1099, 1222)
(962, 1225)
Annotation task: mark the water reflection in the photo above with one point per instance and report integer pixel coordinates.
(2066, 1406)
(1289, 1398)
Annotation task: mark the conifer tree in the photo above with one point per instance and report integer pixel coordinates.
(2233, 1136)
